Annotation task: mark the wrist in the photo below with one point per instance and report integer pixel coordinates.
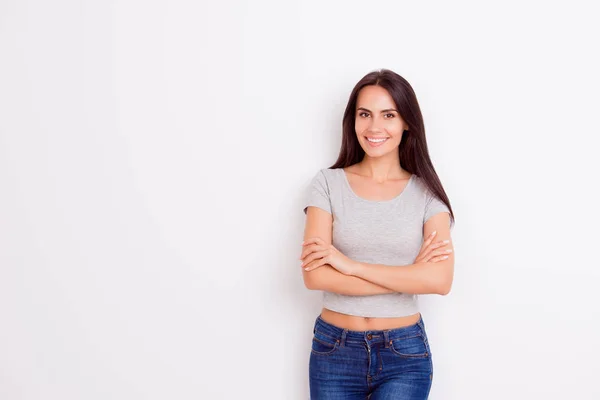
(356, 268)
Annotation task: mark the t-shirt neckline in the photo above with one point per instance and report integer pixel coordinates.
(347, 182)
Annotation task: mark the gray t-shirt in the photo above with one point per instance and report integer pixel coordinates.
(377, 232)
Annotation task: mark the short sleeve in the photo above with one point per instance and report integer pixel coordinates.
(318, 193)
(434, 206)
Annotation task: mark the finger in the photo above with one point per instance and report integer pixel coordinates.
(429, 239)
(440, 244)
(438, 258)
(435, 246)
(315, 264)
(311, 249)
(429, 251)
(314, 256)
(310, 240)
(442, 252)
(429, 256)
(315, 239)
(426, 243)
(315, 243)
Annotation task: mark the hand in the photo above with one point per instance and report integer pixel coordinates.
(429, 253)
(317, 253)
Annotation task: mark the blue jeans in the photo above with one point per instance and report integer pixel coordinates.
(376, 364)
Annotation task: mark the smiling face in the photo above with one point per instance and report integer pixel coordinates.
(377, 122)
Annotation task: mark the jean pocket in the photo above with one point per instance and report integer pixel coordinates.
(413, 346)
(324, 345)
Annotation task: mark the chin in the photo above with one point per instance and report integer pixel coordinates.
(378, 151)
(377, 154)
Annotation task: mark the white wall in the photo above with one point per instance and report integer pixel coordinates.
(153, 162)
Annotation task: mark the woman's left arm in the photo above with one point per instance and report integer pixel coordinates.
(419, 278)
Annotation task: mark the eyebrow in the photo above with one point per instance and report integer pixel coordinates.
(386, 110)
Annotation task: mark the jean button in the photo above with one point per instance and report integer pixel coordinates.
(369, 336)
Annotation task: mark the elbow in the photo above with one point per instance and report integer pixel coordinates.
(441, 279)
(443, 287)
(311, 281)
(318, 279)
(310, 285)
(444, 290)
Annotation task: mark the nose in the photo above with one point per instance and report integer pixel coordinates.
(375, 125)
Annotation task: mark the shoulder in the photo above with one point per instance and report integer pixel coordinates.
(433, 206)
(327, 175)
(325, 180)
(421, 186)
(329, 172)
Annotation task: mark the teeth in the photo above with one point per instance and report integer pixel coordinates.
(376, 140)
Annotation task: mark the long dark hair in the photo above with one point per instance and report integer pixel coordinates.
(413, 152)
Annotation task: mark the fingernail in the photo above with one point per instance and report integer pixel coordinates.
(446, 241)
(433, 233)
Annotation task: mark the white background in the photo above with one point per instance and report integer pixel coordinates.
(154, 157)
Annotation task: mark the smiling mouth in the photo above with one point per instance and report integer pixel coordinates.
(376, 142)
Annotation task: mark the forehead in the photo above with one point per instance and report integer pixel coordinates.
(374, 97)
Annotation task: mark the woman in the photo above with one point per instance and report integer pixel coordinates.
(377, 235)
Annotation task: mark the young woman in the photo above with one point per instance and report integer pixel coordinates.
(377, 235)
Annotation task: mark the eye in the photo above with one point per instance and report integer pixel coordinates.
(363, 114)
(391, 115)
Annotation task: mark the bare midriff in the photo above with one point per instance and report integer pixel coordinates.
(355, 323)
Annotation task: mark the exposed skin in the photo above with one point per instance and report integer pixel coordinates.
(378, 176)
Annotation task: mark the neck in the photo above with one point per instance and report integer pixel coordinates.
(382, 169)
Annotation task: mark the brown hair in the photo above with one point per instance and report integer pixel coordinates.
(414, 156)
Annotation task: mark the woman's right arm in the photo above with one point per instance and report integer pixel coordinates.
(320, 223)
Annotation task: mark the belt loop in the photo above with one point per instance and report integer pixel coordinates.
(386, 338)
(343, 339)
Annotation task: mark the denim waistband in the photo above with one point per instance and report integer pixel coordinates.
(371, 336)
